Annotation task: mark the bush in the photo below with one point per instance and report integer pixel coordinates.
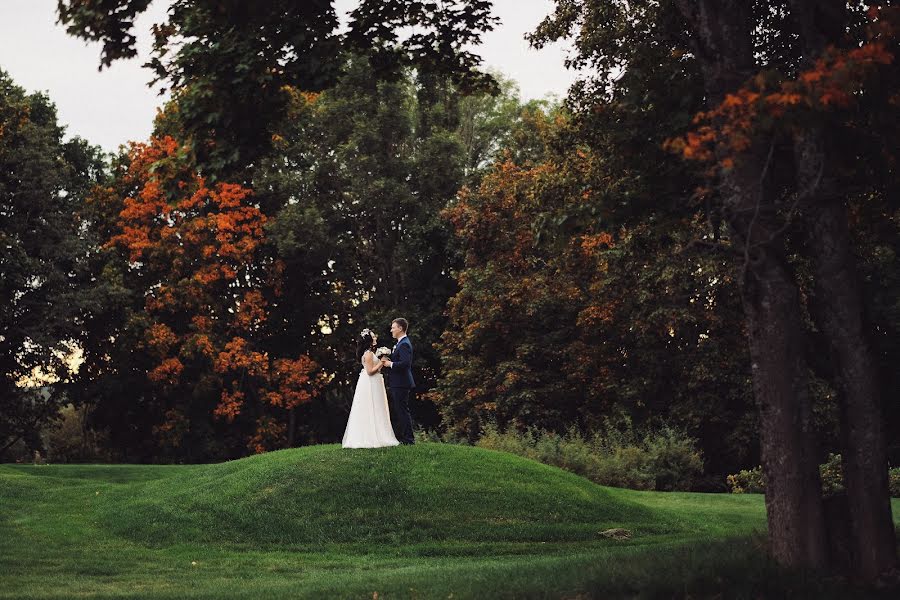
(675, 459)
(747, 482)
(428, 435)
(660, 459)
(70, 439)
(19, 452)
(831, 473)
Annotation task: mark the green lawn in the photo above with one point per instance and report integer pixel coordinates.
(427, 521)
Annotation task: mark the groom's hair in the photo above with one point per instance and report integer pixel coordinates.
(403, 323)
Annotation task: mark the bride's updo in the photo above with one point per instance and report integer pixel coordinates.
(365, 341)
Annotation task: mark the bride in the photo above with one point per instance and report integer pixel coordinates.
(369, 423)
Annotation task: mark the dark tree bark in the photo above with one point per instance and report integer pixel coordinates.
(721, 30)
(839, 313)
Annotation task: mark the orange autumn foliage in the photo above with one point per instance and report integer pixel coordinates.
(167, 372)
(595, 316)
(269, 435)
(592, 243)
(834, 82)
(230, 405)
(239, 356)
(531, 256)
(201, 323)
(198, 248)
(252, 310)
(161, 338)
(295, 381)
(282, 383)
(198, 345)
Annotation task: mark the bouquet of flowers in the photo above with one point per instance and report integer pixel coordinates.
(382, 352)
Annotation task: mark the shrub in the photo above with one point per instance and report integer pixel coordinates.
(675, 460)
(831, 472)
(832, 475)
(70, 439)
(747, 482)
(894, 482)
(19, 452)
(659, 459)
(429, 435)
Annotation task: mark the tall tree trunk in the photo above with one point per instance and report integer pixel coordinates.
(839, 312)
(770, 300)
(722, 36)
(864, 454)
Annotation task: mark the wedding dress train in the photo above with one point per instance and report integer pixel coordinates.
(369, 423)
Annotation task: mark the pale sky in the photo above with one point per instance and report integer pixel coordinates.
(113, 106)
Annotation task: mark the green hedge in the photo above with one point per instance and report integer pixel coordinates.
(661, 459)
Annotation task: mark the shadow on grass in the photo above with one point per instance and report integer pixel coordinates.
(730, 568)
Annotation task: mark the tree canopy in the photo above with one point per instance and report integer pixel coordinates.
(702, 235)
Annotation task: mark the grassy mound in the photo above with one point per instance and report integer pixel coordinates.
(406, 495)
(428, 521)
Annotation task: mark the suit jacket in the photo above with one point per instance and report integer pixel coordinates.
(400, 374)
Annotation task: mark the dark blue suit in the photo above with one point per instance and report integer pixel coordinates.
(401, 384)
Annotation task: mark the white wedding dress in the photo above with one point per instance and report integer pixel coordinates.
(369, 423)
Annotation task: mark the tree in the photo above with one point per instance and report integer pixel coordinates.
(840, 306)
(42, 257)
(577, 307)
(355, 191)
(806, 109)
(192, 255)
(763, 132)
(723, 43)
(486, 122)
(228, 62)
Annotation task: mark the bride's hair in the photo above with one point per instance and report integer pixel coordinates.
(364, 342)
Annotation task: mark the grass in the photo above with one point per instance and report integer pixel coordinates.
(427, 521)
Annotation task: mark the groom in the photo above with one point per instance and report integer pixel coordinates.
(400, 381)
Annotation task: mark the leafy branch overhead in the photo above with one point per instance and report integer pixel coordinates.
(228, 62)
(441, 31)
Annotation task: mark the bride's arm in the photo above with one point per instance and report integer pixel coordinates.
(372, 366)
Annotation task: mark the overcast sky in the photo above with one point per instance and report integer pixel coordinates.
(114, 106)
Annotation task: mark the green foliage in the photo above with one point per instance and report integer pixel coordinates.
(831, 473)
(543, 334)
(44, 275)
(228, 62)
(662, 459)
(72, 440)
(554, 325)
(750, 481)
(107, 22)
(487, 124)
(353, 190)
(351, 193)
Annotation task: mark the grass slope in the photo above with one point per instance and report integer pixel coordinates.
(326, 495)
(423, 521)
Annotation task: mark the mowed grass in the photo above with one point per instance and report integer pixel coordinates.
(427, 521)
